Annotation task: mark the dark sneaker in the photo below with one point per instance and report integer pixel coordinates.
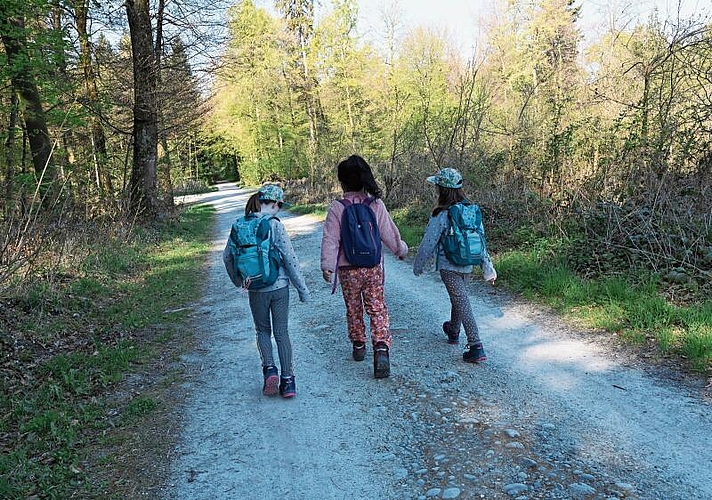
(288, 387)
(381, 361)
(359, 351)
(474, 354)
(452, 337)
(271, 380)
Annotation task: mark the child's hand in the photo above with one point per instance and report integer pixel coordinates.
(491, 281)
(327, 276)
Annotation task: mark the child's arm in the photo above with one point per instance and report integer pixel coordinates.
(390, 235)
(290, 261)
(489, 273)
(437, 225)
(330, 240)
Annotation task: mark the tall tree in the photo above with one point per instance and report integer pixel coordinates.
(93, 102)
(299, 15)
(19, 60)
(143, 189)
(552, 50)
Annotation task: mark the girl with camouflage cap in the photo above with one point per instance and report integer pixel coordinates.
(449, 184)
(270, 305)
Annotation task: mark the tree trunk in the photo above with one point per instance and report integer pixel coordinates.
(143, 190)
(9, 159)
(12, 31)
(164, 170)
(164, 164)
(81, 12)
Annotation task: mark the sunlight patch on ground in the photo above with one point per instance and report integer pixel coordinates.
(565, 351)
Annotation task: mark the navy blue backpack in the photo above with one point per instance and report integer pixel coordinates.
(360, 237)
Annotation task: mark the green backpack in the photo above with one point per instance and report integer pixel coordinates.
(464, 243)
(255, 258)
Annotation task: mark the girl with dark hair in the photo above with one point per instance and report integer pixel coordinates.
(455, 277)
(362, 286)
(270, 305)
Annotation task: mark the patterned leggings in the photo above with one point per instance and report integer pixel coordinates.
(460, 308)
(363, 287)
(276, 304)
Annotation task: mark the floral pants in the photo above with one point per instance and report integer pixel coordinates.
(363, 287)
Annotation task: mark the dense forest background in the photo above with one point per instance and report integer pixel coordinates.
(608, 146)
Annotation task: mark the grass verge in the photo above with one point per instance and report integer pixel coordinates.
(316, 209)
(411, 223)
(76, 340)
(632, 306)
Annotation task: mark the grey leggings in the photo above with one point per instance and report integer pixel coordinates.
(276, 304)
(460, 308)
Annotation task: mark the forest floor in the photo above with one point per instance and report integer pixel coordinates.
(555, 412)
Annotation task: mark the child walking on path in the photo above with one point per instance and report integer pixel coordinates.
(270, 305)
(361, 286)
(455, 277)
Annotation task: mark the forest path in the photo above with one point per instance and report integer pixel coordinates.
(551, 414)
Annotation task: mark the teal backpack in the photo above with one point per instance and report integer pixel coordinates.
(464, 243)
(255, 258)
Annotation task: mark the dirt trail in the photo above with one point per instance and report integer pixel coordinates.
(550, 415)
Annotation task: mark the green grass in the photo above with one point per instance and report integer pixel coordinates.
(120, 289)
(317, 209)
(411, 223)
(632, 306)
(137, 408)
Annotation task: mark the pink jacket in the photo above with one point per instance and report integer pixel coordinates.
(390, 236)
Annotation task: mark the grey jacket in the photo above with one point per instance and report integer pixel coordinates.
(438, 225)
(430, 246)
(288, 271)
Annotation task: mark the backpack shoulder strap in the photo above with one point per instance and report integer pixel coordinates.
(454, 210)
(262, 228)
(345, 202)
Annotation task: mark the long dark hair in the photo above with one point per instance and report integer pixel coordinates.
(447, 197)
(356, 175)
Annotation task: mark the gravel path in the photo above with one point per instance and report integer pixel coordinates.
(552, 414)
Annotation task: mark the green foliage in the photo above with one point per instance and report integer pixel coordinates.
(316, 209)
(411, 222)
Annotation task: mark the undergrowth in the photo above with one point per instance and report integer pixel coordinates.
(76, 332)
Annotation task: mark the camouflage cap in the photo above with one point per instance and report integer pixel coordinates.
(271, 192)
(447, 177)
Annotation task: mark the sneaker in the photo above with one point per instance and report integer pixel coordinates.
(474, 354)
(452, 337)
(381, 361)
(271, 380)
(359, 351)
(288, 387)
